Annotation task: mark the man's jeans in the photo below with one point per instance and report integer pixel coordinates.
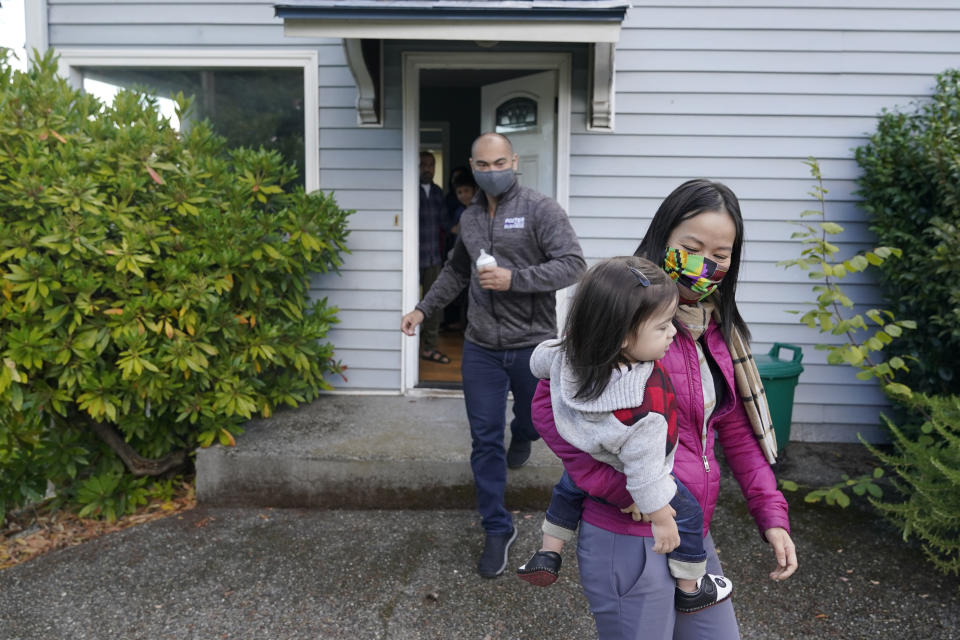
(488, 375)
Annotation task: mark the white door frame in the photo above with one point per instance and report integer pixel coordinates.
(413, 63)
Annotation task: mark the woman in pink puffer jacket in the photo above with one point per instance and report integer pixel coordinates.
(629, 587)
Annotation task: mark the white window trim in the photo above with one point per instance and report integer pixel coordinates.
(73, 59)
(412, 64)
(35, 17)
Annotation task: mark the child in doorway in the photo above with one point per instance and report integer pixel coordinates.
(613, 400)
(463, 187)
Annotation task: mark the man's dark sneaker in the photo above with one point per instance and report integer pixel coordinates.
(493, 560)
(542, 569)
(712, 589)
(518, 453)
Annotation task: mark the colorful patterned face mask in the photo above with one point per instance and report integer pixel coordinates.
(700, 275)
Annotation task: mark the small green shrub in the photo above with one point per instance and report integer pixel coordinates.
(860, 338)
(911, 189)
(925, 462)
(153, 291)
(927, 469)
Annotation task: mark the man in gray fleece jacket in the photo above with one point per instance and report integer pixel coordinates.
(511, 309)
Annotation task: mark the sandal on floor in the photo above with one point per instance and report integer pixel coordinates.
(434, 356)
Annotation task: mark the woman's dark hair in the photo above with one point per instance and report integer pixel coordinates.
(611, 302)
(688, 200)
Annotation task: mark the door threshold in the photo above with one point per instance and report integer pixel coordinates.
(440, 385)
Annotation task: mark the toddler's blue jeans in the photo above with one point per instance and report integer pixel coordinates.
(686, 561)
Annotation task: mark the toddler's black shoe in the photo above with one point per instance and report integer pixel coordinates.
(493, 560)
(542, 569)
(712, 589)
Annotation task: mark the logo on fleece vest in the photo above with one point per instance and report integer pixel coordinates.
(513, 223)
(658, 397)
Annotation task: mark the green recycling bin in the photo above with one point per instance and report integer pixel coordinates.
(779, 379)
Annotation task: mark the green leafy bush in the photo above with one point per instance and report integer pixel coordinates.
(927, 469)
(153, 291)
(911, 190)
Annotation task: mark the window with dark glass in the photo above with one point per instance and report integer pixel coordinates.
(249, 107)
(517, 114)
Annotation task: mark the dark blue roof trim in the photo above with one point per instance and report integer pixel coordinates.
(500, 13)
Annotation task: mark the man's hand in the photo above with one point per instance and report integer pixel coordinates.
(409, 322)
(785, 551)
(495, 278)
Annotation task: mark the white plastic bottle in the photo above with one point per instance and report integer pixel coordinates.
(485, 260)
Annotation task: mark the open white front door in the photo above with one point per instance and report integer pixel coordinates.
(523, 109)
(542, 142)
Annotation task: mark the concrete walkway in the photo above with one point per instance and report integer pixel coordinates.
(362, 452)
(252, 572)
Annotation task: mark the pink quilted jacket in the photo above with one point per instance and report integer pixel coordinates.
(694, 464)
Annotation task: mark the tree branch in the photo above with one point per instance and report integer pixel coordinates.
(137, 464)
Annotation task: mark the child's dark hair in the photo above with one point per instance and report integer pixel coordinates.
(686, 201)
(464, 180)
(611, 303)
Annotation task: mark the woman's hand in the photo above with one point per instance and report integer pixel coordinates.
(635, 513)
(786, 553)
(639, 516)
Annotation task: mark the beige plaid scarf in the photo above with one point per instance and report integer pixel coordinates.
(746, 376)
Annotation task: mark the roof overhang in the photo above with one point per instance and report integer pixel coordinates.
(595, 22)
(490, 20)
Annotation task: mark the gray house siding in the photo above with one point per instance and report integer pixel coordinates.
(722, 89)
(743, 94)
(363, 167)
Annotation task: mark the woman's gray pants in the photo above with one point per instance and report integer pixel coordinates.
(630, 591)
